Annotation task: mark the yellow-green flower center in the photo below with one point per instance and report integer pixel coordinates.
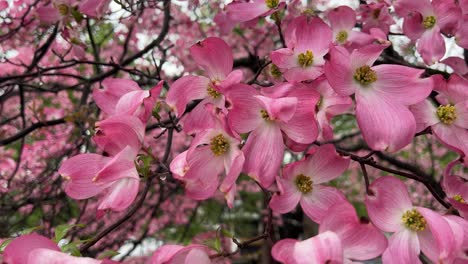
(413, 220)
(365, 75)
(305, 59)
(272, 3)
(429, 22)
(275, 71)
(63, 9)
(342, 36)
(212, 92)
(304, 183)
(265, 115)
(319, 103)
(219, 145)
(446, 114)
(459, 198)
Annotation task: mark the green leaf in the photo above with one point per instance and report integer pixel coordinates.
(4, 244)
(30, 230)
(72, 248)
(62, 230)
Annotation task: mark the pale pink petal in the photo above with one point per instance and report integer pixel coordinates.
(402, 84)
(403, 248)
(282, 251)
(199, 118)
(385, 125)
(3, 5)
(462, 114)
(120, 166)
(203, 163)
(284, 58)
(453, 136)
(366, 55)
(437, 234)
(325, 165)
(264, 153)
(164, 253)
(48, 15)
(132, 103)
(431, 46)
(342, 18)
(363, 242)
(179, 165)
(298, 74)
(339, 73)
(448, 16)
(94, 8)
(18, 250)
(244, 115)
(184, 90)
(201, 189)
(233, 170)
(214, 56)
(316, 204)
(107, 98)
(425, 114)
(116, 132)
(323, 248)
(234, 77)
(456, 63)
(120, 195)
(47, 256)
(287, 200)
(79, 172)
(242, 12)
(387, 203)
(455, 91)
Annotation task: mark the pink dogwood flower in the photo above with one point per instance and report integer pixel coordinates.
(325, 248)
(125, 97)
(37, 249)
(307, 42)
(94, 8)
(174, 254)
(360, 240)
(376, 15)
(424, 20)
(449, 120)
(302, 182)
(414, 229)
(456, 189)
(383, 94)
(266, 118)
(215, 57)
(243, 12)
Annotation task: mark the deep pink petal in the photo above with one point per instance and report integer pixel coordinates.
(264, 153)
(456, 63)
(79, 172)
(403, 248)
(316, 204)
(94, 8)
(184, 90)
(120, 195)
(47, 256)
(281, 109)
(120, 166)
(284, 58)
(201, 189)
(363, 242)
(18, 250)
(114, 89)
(339, 73)
(287, 200)
(366, 55)
(242, 12)
(413, 26)
(244, 115)
(387, 203)
(203, 163)
(342, 18)
(402, 84)
(325, 165)
(453, 136)
(233, 170)
(385, 125)
(314, 35)
(425, 114)
(47, 14)
(431, 46)
(298, 74)
(164, 253)
(215, 56)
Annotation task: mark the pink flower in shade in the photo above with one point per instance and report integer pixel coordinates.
(449, 120)
(243, 12)
(360, 241)
(266, 118)
(125, 97)
(460, 231)
(414, 229)
(94, 8)
(307, 42)
(457, 64)
(302, 182)
(87, 175)
(58, 10)
(424, 21)
(36, 249)
(329, 105)
(342, 20)
(174, 254)
(383, 94)
(376, 15)
(325, 248)
(215, 57)
(456, 189)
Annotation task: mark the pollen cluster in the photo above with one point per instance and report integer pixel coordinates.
(219, 145)
(429, 22)
(365, 75)
(265, 114)
(63, 9)
(459, 198)
(305, 59)
(271, 3)
(413, 220)
(275, 71)
(212, 92)
(342, 36)
(304, 183)
(446, 114)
